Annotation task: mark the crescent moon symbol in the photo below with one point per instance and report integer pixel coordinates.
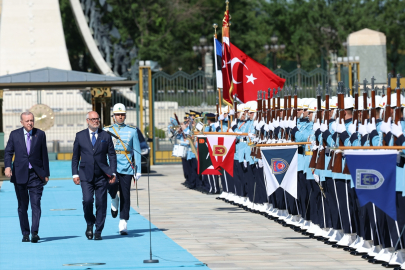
(233, 62)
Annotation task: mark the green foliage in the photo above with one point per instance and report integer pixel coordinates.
(165, 31)
(159, 133)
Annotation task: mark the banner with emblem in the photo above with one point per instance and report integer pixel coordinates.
(222, 151)
(204, 159)
(280, 168)
(374, 177)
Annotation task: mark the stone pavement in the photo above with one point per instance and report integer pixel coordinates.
(225, 237)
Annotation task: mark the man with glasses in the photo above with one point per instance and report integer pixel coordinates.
(126, 148)
(92, 146)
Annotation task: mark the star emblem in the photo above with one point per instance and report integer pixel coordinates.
(251, 78)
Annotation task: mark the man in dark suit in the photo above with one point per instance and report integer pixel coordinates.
(91, 148)
(29, 173)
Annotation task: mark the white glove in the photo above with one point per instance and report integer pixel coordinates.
(363, 130)
(245, 163)
(276, 122)
(324, 127)
(371, 126)
(316, 125)
(260, 163)
(233, 122)
(271, 127)
(334, 125)
(341, 127)
(221, 117)
(232, 112)
(257, 127)
(352, 127)
(261, 124)
(137, 176)
(292, 123)
(231, 131)
(386, 126)
(266, 127)
(396, 129)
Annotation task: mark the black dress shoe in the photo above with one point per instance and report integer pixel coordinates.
(26, 238)
(97, 236)
(114, 214)
(123, 233)
(89, 232)
(35, 238)
(367, 257)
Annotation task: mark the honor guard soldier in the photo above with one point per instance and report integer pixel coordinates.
(128, 152)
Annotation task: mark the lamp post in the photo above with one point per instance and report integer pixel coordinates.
(274, 48)
(203, 49)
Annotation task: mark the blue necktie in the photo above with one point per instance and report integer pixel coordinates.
(93, 139)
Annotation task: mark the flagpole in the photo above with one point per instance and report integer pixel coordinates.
(370, 147)
(279, 144)
(220, 105)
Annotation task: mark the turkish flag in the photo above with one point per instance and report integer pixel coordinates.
(249, 76)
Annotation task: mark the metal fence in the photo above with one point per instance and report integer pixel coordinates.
(306, 81)
(178, 93)
(69, 108)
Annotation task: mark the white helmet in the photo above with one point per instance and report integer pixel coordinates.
(119, 108)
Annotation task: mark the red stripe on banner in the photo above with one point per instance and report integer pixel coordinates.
(220, 142)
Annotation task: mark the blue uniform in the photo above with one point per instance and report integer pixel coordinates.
(129, 135)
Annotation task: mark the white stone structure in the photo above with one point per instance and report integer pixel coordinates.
(31, 36)
(370, 46)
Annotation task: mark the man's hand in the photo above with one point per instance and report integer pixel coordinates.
(112, 180)
(46, 180)
(8, 172)
(76, 180)
(137, 176)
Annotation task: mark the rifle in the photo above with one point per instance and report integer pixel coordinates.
(364, 114)
(258, 152)
(295, 110)
(398, 105)
(320, 163)
(278, 103)
(269, 112)
(356, 102)
(312, 163)
(387, 109)
(258, 114)
(373, 113)
(180, 129)
(337, 165)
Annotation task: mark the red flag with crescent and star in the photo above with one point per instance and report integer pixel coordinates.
(249, 76)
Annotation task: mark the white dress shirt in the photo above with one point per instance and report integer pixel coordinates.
(91, 138)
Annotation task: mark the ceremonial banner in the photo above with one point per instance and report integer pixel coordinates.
(374, 177)
(226, 60)
(222, 151)
(204, 159)
(249, 76)
(280, 168)
(218, 62)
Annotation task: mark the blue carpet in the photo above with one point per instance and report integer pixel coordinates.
(63, 240)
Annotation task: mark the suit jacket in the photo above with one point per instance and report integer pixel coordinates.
(84, 151)
(38, 156)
